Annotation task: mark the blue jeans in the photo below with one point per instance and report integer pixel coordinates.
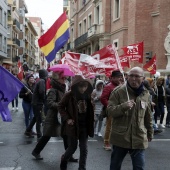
(28, 112)
(118, 154)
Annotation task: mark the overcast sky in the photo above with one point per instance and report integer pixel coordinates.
(47, 10)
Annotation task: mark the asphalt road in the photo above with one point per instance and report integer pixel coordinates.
(15, 150)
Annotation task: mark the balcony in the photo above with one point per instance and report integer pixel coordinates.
(10, 2)
(10, 21)
(16, 42)
(14, 5)
(81, 40)
(16, 25)
(93, 30)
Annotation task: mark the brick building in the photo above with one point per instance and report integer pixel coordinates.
(97, 23)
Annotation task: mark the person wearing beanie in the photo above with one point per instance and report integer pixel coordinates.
(26, 95)
(116, 79)
(51, 126)
(38, 100)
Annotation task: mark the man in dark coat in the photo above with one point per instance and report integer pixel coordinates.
(77, 115)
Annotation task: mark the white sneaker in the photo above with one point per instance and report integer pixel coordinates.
(95, 133)
(13, 109)
(17, 109)
(162, 126)
(156, 126)
(99, 134)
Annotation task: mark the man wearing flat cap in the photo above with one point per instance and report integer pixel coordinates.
(115, 80)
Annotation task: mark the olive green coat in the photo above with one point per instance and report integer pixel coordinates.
(130, 128)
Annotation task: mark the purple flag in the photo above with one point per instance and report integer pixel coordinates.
(10, 86)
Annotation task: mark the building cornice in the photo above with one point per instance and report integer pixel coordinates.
(155, 13)
(119, 30)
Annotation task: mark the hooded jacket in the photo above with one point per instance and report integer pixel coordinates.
(68, 109)
(51, 124)
(96, 94)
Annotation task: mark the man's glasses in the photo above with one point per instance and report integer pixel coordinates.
(135, 76)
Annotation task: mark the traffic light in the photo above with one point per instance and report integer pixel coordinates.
(148, 56)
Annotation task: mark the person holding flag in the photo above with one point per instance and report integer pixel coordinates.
(132, 126)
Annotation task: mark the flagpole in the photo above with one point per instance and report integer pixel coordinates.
(120, 68)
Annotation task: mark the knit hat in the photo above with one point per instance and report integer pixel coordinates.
(43, 73)
(116, 73)
(29, 76)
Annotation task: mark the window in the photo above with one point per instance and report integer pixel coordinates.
(89, 21)
(117, 9)
(1, 42)
(85, 26)
(0, 15)
(97, 15)
(5, 20)
(80, 29)
(116, 43)
(72, 34)
(4, 46)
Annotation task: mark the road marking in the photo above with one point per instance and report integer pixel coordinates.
(61, 141)
(1, 142)
(10, 168)
(160, 140)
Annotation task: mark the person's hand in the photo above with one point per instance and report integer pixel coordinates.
(70, 122)
(149, 139)
(28, 91)
(128, 105)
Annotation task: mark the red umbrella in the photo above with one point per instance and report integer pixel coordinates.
(62, 68)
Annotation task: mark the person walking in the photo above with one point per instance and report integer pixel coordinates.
(160, 101)
(51, 125)
(38, 100)
(77, 115)
(116, 79)
(96, 94)
(132, 127)
(26, 95)
(168, 106)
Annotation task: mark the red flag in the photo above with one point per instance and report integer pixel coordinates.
(20, 72)
(134, 51)
(107, 56)
(85, 64)
(151, 65)
(124, 60)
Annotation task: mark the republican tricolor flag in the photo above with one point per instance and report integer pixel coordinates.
(55, 38)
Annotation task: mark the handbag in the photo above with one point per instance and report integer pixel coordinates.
(104, 113)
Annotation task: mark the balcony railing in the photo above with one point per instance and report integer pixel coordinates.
(81, 39)
(16, 41)
(93, 30)
(17, 24)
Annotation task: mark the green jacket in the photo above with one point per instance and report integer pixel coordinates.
(130, 128)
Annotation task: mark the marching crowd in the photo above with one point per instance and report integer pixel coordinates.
(131, 103)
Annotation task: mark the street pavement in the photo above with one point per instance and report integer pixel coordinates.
(16, 148)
